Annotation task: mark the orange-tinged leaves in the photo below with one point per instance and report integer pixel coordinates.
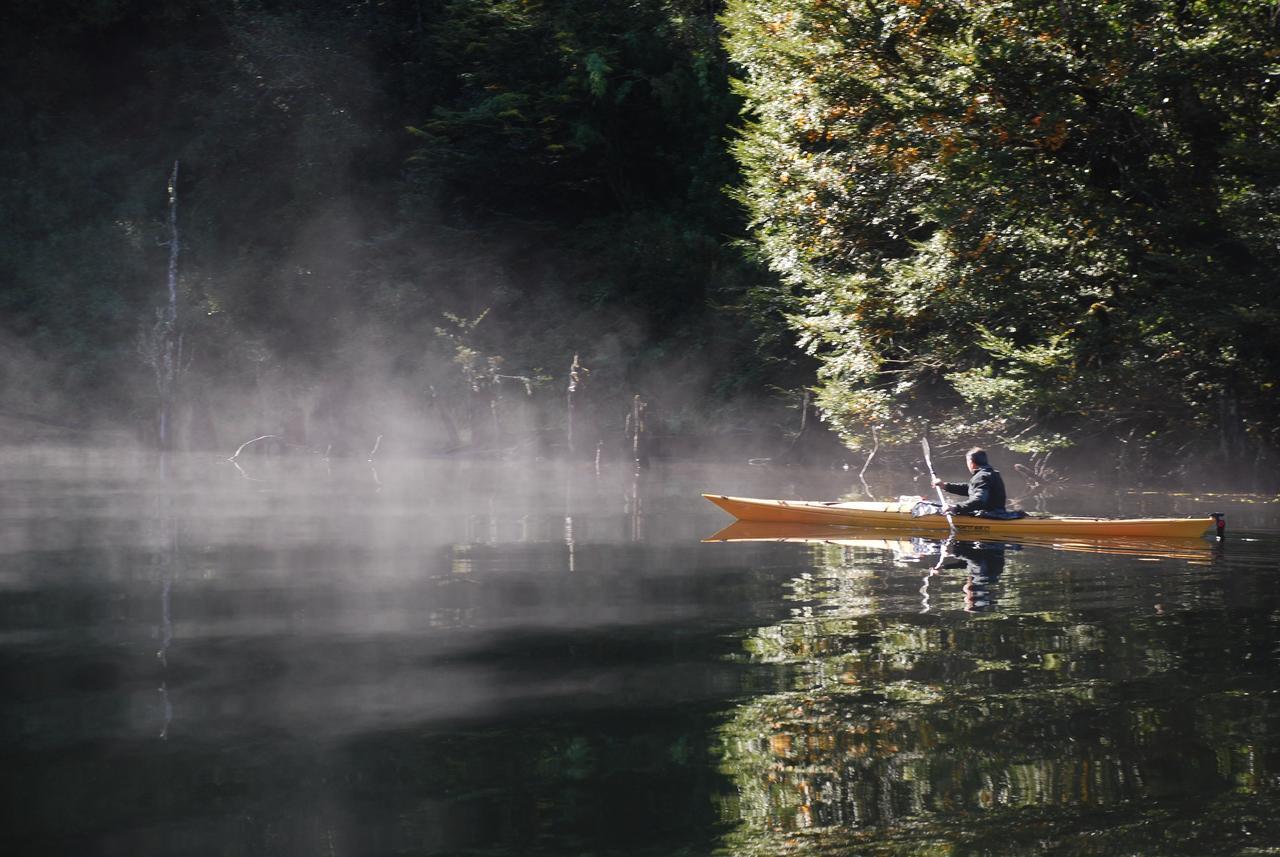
(950, 145)
(881, 130)
(904, 158)
(982, 246)
(1054, 140)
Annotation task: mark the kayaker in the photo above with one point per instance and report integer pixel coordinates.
(985, 489)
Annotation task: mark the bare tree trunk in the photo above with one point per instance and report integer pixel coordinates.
(574, 378)
(446, 419)
(482, 415)
(161, 346)
(794, 453)
(493, 413)
(635, 504)
(173, 339)
(636, 432)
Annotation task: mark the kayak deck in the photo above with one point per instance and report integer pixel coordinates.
(897, 515)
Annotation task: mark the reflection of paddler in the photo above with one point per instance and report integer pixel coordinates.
(984, 562)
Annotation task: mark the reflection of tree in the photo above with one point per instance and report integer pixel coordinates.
(166, 562)
(893, 732)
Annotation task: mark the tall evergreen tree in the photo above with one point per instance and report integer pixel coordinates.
(1040, 222)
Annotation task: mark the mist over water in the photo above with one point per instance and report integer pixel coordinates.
(449, 657)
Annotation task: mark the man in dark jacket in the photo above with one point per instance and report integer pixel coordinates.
(985, 488)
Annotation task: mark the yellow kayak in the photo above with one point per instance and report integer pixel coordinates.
(897, 516)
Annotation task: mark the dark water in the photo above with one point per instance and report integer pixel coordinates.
(438, 658)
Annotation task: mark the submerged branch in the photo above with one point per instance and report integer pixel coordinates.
(250, 442)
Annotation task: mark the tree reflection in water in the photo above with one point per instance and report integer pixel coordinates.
(1050, 707)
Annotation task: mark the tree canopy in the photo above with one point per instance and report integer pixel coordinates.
(1030, 221)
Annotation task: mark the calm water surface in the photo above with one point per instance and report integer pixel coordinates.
(475, 658)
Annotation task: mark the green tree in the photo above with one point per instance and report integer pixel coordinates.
(1040, 222)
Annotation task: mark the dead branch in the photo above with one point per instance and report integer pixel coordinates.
(862, 474)
(250, 442)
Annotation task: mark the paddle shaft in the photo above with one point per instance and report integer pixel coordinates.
(924, 442)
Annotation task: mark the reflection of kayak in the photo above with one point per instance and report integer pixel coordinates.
(763, 531)
(897, 515)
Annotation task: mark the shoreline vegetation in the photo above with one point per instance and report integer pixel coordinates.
(748, 229)
(1036, 482)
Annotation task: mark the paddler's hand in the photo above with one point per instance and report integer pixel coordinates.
(938, 483)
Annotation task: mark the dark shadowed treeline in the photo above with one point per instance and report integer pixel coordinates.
(400, 218)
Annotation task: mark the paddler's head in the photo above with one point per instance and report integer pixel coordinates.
(975, 458)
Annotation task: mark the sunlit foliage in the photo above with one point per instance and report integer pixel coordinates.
(1038, 222)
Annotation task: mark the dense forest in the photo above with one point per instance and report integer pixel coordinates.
(1033, 224)
(399, 218)
(1052, 223)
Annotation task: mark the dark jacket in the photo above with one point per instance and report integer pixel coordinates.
(985, 490)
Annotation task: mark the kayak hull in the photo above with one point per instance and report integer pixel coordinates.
(897, 516)
(903, 542)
